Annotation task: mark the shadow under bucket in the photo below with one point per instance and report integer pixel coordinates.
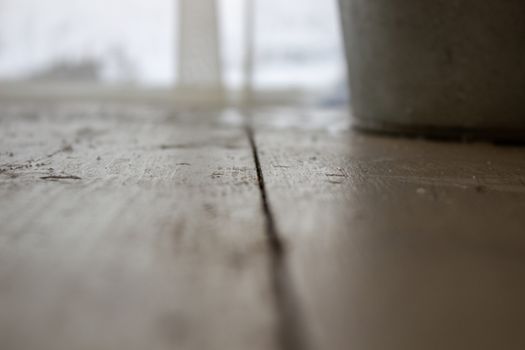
(438, 68)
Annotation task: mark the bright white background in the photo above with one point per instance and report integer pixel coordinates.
(134, 42)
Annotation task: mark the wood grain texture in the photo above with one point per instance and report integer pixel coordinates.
(130, 228)
(396, 243)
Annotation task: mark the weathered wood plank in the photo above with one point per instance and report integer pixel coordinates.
(130, 229)
(396, 243)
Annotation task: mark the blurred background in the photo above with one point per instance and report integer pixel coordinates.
(279, 48)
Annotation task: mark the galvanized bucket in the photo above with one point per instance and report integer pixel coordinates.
(447, 68)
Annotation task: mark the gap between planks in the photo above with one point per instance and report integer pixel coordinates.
(292, 335)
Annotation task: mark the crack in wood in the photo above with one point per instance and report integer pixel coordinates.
(291, 334)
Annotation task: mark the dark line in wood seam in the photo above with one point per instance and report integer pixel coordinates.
(291, 332)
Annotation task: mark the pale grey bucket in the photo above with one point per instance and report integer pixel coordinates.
(446, 68)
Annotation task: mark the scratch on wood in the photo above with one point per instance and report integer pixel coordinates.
(66, 148)
(61, 177)
(336, 175)
(335, 182)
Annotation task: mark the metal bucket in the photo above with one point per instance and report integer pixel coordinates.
(450, 68)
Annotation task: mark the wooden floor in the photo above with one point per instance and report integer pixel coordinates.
(136, 227)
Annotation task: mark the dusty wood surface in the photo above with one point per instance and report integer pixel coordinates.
(394, 243)
(137, 228)
(130, 228)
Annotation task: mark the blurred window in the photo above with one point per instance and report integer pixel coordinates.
(288, 44)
